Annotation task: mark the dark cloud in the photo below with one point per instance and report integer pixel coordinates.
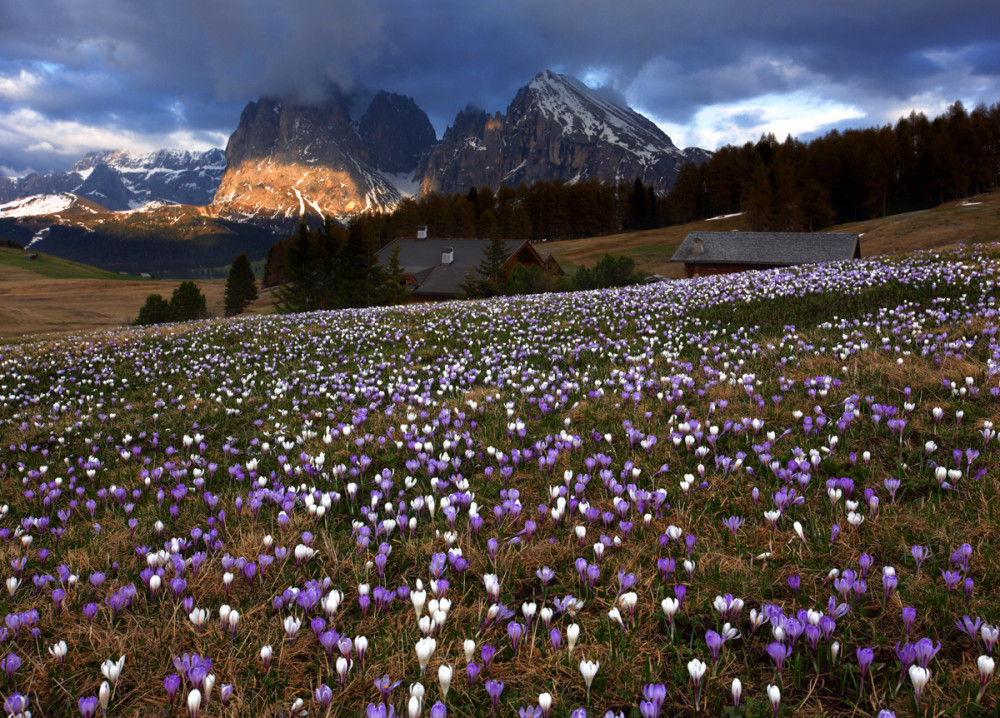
(185, 68)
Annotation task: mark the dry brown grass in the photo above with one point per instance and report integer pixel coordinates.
(60, 306)
(972, 220)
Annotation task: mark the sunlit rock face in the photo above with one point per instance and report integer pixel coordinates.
(290, 161)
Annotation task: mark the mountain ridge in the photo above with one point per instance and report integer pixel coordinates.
(555, 128)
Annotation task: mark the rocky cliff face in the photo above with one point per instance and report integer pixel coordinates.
(286, 161)
(396, 133)
(556, 128)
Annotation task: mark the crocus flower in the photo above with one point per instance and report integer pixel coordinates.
(172, 684)
(16, 705)
(112, 670)
(919, 677)
(444, 679)
(324, 696)
(778, 652)
(87, 706)
(985, 665)
(774, 696)
(59, 651)
(10, 664)
(588, 669)
(425, 648)
(493, 690)
(545, 703)
(696, 669)
(194, 703)
(865, 657)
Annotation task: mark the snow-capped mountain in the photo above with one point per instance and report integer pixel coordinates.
(555, 128)
(124, 180)
(286, 161)
(178, 176)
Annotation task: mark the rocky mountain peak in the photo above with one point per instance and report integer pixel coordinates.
(285, 161)
(396, 133)
(555, 128)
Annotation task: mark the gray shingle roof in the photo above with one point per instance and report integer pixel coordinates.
(422, 260)
(767, 248)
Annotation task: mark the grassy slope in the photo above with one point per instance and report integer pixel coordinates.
(271, 368)
(972, 220)
(16, 268)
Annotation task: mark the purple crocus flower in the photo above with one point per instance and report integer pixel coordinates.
(487, 652)
(10, 664)
(16, 705)
(795, 582)
(655, 693)
(90, 611)
(88, 706)
(172, 684)
(249, 571)
(385, 686)
(177, 586)
(778, 653)
(514, 631)
(714, 641)
(493, 690)
(909, 616)
(925, 651)
(865, 658)
(439, 710)
(951, 579)
(920, 554)
(680, 591)
(324, 696)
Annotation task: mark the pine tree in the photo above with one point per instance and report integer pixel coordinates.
(156, 310)
(364, 279)
(299, 294)
(187, 303)
(241, 286)
(395, 291)
(486, 279)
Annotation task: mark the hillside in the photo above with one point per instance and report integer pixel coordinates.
(781, 480)
(51, 294)
(169, 240)
(968, 221)
(14, 266)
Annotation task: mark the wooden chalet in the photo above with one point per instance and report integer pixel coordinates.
(436, 268)
(705, 253)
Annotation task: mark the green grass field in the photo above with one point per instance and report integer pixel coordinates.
(14, 266)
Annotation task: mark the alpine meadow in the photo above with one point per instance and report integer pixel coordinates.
(766, 493)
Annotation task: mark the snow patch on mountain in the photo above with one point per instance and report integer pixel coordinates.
(37, 205)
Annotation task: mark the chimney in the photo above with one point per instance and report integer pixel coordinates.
(698, 247)
(421, 231)
(447, 255)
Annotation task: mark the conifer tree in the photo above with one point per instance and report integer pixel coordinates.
(395, 279)
(156, 310)
(241, 286)
(299, 293)
(187, 303)
(486, 280)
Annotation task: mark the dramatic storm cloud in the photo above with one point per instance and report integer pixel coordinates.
(76, 77)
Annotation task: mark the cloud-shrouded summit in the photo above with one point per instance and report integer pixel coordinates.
(107, 74)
